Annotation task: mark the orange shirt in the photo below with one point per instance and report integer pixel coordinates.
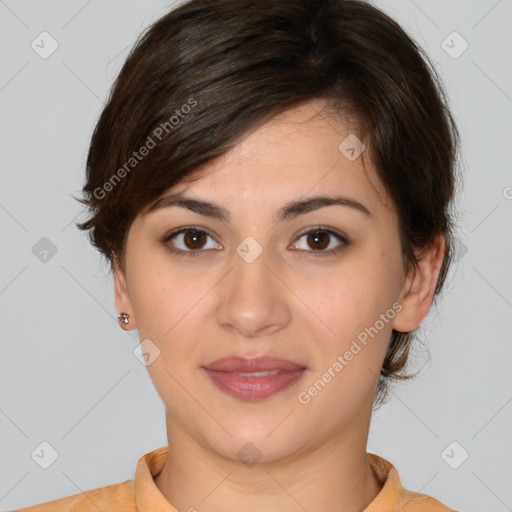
(142, 495)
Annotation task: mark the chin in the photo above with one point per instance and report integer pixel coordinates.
(256, 447)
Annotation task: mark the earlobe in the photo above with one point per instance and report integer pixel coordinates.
(418, 290)
(122, 299)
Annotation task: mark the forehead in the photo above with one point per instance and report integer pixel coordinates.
(305, 150)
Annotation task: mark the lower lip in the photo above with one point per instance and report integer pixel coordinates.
(254, 388)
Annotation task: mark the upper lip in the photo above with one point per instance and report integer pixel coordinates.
(255, 364)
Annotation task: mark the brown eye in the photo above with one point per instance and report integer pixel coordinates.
(190, 242)
(318, 240)
(322, 241)
(194, 239)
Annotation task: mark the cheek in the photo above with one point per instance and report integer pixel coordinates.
(353, 311)
(166, 307)
(160, 292)
(153, 305)
(353, 294)
(174, 311)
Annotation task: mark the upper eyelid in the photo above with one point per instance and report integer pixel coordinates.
(184, 229)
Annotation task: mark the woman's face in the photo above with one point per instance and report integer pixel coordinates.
(257, 284)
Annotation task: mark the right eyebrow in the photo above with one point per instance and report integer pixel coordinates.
(202, 207)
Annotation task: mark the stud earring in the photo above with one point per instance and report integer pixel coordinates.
(123, 317)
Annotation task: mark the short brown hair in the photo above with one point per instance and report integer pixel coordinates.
(210, 71)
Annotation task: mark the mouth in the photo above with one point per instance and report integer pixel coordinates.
(254, 379)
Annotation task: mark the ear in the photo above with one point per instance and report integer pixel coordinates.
(122, 298)
(418, 290)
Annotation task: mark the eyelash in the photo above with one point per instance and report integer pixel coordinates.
(321, 229)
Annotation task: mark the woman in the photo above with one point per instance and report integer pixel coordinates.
(271, 183)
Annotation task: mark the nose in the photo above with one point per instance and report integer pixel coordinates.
(253, 301)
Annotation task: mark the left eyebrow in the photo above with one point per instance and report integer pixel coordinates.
(311, 203)
(289, 211)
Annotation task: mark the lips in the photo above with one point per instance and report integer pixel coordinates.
(253, 379)
(258, 364)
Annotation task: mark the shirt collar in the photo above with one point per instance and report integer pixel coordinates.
(392, 490)
(147, 495)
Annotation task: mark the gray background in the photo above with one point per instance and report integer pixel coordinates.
(68, 373)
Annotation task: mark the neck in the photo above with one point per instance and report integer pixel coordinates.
(333, 476)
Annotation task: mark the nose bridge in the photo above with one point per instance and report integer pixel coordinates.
(253, 300)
